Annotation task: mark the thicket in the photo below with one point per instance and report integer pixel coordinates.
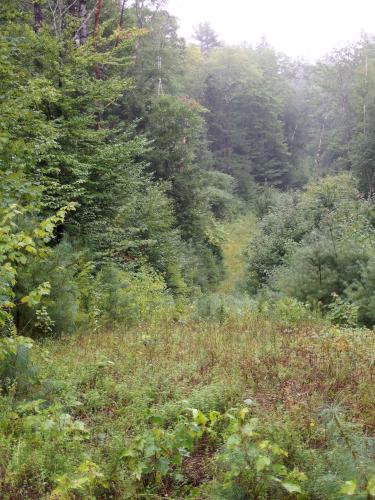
(145, 203)
(318, 246)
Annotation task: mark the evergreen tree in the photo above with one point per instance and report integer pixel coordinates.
(206, 37)
(244, 122)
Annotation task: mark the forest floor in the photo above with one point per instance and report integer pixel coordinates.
(121, 423)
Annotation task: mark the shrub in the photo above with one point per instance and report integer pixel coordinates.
(317, 246)
(248, 462)
(17, 371)
(59, 311)
(127, 297)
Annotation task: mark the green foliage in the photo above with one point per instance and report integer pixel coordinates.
(358, 293)
(175, 126)
(159, 453)
(206, 37)
(121, 420)
(48, 440)
(85, 480)
(286, 310)
(244, 126)
(315, 247)
(125, 157)
(220, 192)
(362, 158)
(62, 309)
(342, 312)
(250, 463)
(247, 462)
(81, 296)
(19, 246)
(349, 452)
(17, 372)
(222, 308)
(128, 298)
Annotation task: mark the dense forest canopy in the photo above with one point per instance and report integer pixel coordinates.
(125, 152)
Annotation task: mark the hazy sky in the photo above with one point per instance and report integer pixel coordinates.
(308, 28)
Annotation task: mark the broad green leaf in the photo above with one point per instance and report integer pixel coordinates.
(371, 486)
(199, 417)
(349, 488)
(150, 450)
(264, 444)
(213, 415)
(243, 413)
(248, 430)
(262, 462)
(291, 487)
(234, 440)
(163, 465)
(30, 249)
(157, 420)
(278, 451)
(128, 453)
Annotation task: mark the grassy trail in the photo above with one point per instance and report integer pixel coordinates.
(238, 236)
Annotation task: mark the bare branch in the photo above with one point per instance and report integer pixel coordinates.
(121, 22)
(83, 26)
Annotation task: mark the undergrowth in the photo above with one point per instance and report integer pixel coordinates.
(227, 398)
(245, 408)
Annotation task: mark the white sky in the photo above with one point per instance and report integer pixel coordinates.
(308, 28)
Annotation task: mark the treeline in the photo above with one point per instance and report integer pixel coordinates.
(122, 148)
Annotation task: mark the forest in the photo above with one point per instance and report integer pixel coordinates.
(187, 261)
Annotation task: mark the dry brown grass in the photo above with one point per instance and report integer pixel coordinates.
(297, 370)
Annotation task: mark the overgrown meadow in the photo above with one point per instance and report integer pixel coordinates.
(211, 400)
(187, 261)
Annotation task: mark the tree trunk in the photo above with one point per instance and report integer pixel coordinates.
(98, 8)
(98, 73)
(82, 14)
(138, 11)
(121, 22)
(122, 13)
(318, 154)
(38, 16)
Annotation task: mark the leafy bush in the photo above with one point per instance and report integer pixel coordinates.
(347, 466)
(203, 265)
(128, 298)
(265, 199)
(217, 307)
(360, 292)
(285, 310)
(85, 480)
(342, 312)
(60, 310)
(317, 246)
(245, 460)
(48, 440)
(17, 370)
(250, 463)
(79, 295)
(220, 194)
